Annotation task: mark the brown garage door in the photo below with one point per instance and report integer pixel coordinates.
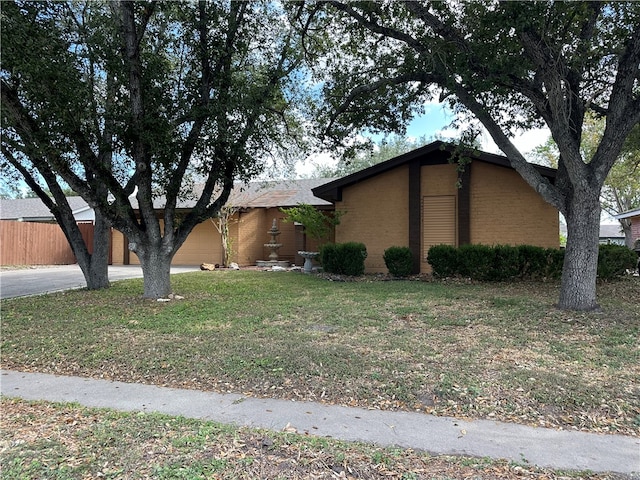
(438, 222)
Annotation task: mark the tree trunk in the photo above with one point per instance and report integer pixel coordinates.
(156, 269)
(97, 273)
(625, 225)
(579, 274)
(93, 265)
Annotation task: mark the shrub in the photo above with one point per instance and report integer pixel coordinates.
(329, 257)
(505, 264)
(475, 261)
(615, 260)
(398, 260)
(532, 261)
(443, 260)
(497, 263)
(343, 258)
(555, 260)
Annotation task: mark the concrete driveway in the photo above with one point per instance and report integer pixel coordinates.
(54, 278)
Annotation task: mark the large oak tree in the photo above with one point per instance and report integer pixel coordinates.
(510, 65)
(621, 190)
(134, 103)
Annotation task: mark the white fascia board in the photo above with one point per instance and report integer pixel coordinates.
(630, 213)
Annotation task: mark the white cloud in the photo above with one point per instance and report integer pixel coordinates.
(525, 142)
(306, 167)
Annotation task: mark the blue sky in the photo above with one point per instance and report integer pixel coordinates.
(435, 119)
(438, 117)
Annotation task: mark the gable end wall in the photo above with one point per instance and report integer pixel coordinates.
(505, 210)
(376, 214)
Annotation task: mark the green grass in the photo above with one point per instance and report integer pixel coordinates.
(500, 351)
(57, 441)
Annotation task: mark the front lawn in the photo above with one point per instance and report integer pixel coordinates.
(499, 351)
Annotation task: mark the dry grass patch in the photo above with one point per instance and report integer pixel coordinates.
(54, 441)
(498, 351)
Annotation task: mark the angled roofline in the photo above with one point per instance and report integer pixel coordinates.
(628, 214)
(81, 209)
(38, 219)
(332, 191)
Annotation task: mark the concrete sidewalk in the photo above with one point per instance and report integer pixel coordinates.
(438, 435)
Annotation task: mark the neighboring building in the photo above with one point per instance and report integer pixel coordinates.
(29, 234)
(611, 234)
(33, 210)
(634, 217)
(420, 199)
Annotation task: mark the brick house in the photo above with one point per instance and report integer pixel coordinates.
(258, 204)
(420, 199)
(634, 217)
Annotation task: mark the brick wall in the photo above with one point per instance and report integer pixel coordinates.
(252, 235)
(249, 233)
(376, 214)
(439, 180)
(635, 227)
(503, 209)
(203, 245)
(252, 232)
(506, 210)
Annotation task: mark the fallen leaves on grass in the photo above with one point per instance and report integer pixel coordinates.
(43, 440)
(497, 351)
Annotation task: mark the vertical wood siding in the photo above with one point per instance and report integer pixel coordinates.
(29, 243)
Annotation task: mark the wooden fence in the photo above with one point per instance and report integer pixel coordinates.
(30, 243)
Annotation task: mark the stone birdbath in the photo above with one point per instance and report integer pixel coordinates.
(308, 257)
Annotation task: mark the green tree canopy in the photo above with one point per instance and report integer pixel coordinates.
(141, 105)
(510, 66)
(316, 223)
(621, 190)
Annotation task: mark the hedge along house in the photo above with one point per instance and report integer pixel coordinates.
(422, 198)
(256, 205)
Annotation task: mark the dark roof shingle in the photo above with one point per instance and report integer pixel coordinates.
(259, 194)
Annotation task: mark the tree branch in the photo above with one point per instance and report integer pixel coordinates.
(188, 147)
(539, 183)
(376, 27)
(140, 153)
(364, 90)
